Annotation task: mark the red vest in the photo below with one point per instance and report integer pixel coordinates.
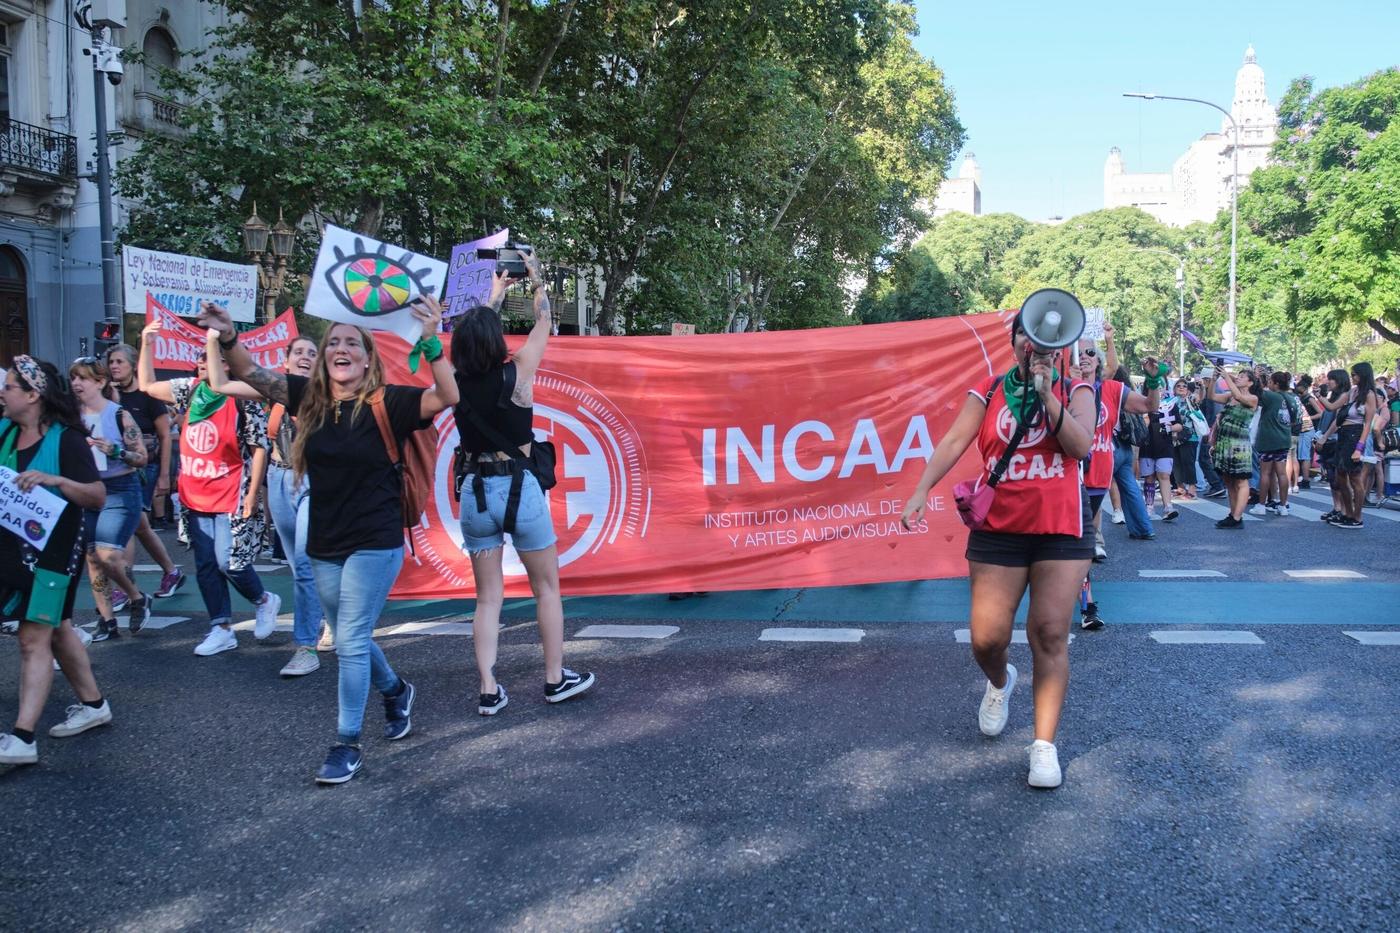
(1039, 493)
(1100, 475)
(211, 467)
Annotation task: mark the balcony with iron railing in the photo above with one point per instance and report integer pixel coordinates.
(33, 151)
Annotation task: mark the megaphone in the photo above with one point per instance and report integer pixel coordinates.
(1052, 319)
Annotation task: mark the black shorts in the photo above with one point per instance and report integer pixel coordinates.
(1348, 436)
(1007, 549)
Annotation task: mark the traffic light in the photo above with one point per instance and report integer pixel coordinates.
(106, 334)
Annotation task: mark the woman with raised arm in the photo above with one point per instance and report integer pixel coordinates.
(119, 452)
(499, 493)
(340, 450)
(1037, 533)
(1234, 452)
(44, 441)
(1355, 408)
(223, 455)
(288, 499)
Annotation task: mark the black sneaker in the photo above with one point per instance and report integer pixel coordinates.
(493, 703)
(571, 686)
(1305, 484)
(1218, 493)
(1346, 521)
(1254, 497)
(1090, 620)
(1331, 516)
(1230, 522)
(106, 628)
(342, 763)
(140, 613)
(397, 710)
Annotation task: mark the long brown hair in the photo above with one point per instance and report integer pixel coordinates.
(317, 403)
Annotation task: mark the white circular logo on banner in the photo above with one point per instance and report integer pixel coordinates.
(201, 437)
(1006, 426)
(601, 471)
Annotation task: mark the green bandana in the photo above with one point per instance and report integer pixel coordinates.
(204, 401)
(428, 348)
(1021, 397)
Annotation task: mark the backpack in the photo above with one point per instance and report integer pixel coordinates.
(416, 465)
(1132, 429)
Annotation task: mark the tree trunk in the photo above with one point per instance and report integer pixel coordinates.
(1379, 327)
(554, 44)
(501, 47)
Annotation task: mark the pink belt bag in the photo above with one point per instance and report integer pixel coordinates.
(974, 498)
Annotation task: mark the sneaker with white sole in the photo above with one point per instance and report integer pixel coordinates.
(1118, 518)
(398, 712)
(304, 661)
(169, 583)
(106, 629)
(219, 639)
(327, 641)
(267, 611)
(16, 751)
(140, 614)
(342, 763)
(120, 600)
(84, 636)
(1045, 765)
(996, 705)
(571, 685)
(1283, 510)
(81, 718)
(492, 703)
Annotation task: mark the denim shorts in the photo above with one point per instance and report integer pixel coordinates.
(113, 525)
(482, 531)
(1149, 466)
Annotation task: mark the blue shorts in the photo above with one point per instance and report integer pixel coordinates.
(149, 474)
(113, 525)
(482, 531)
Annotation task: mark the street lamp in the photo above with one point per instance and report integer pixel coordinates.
(1231, 330)
(1180, 303)
(272, 264)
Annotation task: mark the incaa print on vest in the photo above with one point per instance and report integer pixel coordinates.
(808, 452)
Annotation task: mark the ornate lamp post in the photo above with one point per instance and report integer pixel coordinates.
(271, 263)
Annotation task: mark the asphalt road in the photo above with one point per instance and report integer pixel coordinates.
(713, 780)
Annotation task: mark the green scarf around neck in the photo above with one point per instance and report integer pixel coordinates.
(1021, 397)
(204, 402)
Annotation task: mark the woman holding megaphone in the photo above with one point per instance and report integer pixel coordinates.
(1032, 428)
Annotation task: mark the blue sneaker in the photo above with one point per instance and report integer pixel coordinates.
(341, 765)
(397, 710)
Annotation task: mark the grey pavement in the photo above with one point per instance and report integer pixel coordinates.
(714, 780)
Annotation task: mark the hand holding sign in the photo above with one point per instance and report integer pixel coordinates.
(362, 281)
(28, 510)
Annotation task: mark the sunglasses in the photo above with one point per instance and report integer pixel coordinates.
(1088, 352)
(85, 361)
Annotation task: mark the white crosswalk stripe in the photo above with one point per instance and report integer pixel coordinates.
(1377, 639)
(1211, 509)
(1322, 573)
(1208, 637)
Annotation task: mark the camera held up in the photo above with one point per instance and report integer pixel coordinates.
(510, 258)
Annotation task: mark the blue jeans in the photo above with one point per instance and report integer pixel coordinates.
(1206, 468)
(353, 590)
(1129, 492)
(212, 541)
(291, 509)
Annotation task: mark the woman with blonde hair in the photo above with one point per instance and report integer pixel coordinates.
(343, 411)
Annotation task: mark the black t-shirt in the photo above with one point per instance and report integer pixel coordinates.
(144, 410)
(1159, 440)
(74, 462)
(356, 492)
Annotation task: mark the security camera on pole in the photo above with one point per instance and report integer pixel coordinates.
(98, 18)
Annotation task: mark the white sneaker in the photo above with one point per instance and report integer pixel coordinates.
(81, 718)
(84, 636)
(327, 641)
(1282, 510)
(218, 639)
(1118, 518)
(1045, 765)
(1154, 515)
(16, 751)
(1099, 552)
(267, 615)
(996, 705)
(304, 661)
(1260, 509)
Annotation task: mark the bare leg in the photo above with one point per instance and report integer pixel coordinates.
(153, 545)
(1164, 480)
(73, 658)
(486, 619)
(1239, 497)
(1055, 585)
(1113, 496)
(1358, 481)
(35, 672)
(101, 595)
(114, 566)
(543, 568)
(996, 593)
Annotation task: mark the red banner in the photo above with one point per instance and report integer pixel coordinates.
(734, 461)
(180, 343)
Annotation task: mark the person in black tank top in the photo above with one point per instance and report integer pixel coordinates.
(498, 494)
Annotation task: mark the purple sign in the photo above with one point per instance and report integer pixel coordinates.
(469, 278)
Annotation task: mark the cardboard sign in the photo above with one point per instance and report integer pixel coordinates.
(361, 280)
(682, 330)
(469, 278)
(30, 516)
(183, 283)
(1093, 323)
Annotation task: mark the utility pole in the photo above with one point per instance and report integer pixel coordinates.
(106, 69)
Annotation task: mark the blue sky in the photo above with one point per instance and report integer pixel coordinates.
(1037, 84)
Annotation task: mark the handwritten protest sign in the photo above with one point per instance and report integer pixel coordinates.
(30, 516)
(182, 283)
(469, 278)
(1093, 323)
(361, 280)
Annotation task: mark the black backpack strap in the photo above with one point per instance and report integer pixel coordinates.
(1016, 437)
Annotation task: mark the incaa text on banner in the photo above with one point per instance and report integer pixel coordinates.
(864, 448)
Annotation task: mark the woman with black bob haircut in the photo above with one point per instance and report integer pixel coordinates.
(1355, 412)
(1038, 533)
(44, 441)
(499, 493)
